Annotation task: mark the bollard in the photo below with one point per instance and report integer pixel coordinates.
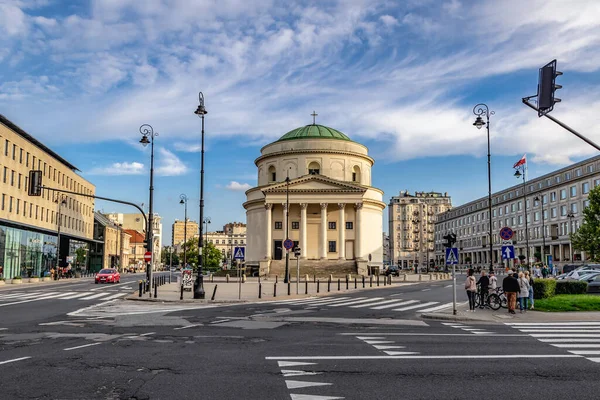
(275, 289)
(355, 283)
(385, 281)
(227, 278)
(289, 287)
(155, 291)
(346, 282)
(140, 294)
(328, 285)
(259, 290)
(276, 278)
(363, 279)
(377, 280)
(371, 281)
(243, 278)
(181, 294)
(339, 281)
(306, 287)
(318, 284)
(144, 287)
(214, 293)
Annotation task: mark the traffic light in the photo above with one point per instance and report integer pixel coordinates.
(547, 87)
(297, 251)
(35, 183)
(450, 239)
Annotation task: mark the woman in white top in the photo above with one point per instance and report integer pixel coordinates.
(523, 292)
(493, 282)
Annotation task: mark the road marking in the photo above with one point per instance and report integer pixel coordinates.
(447, 286)
(389, 347)
(370, 337)
(14, 360)
(76, 296)
(187, 326)
(569, 340)
(399, 353)
(523, 324)
(447, 305)
(148, 334)
(312, 397)
(38, 298)
(94, 296)
(594, 359)
(578, 346)
(378, 303)
(584, 352)
(425, 290)
(21, 295)
(401, 303)
(302, 384)
(356, 302)
(558, 335)
(115, 296)
(293, 363)
(111, 285)
(379, 341)
(421, 357)
(415, 306)
(293, 372)
(80, 347)
(560, 330)
(429, 334)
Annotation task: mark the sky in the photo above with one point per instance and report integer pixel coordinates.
(401, 77)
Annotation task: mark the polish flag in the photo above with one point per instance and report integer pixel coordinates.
(522, 161)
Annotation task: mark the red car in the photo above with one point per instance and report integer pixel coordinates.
(108, 276)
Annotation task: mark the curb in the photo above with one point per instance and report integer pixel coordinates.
(190, 301)
(458, 318)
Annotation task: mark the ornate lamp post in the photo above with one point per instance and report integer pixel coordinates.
(206, 222)
(148, 132)
(199, 284)
(286, 279)
(483, 110)
(183, 200)
(520, 172)
(571, 216)
(537, 199)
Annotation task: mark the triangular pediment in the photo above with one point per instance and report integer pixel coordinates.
(314, 183)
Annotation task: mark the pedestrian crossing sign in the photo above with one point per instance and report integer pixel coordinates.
(239, 253)
(451, 256)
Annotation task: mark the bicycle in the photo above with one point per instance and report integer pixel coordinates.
(491, 300)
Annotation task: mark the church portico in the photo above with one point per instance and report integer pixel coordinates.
(330, 219)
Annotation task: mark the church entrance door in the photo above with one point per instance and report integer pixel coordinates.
(278, 249)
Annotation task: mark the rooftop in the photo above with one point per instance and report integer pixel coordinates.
(314, 131)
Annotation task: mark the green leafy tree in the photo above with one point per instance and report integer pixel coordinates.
(166, 257)
(587, 238)
(212, 257)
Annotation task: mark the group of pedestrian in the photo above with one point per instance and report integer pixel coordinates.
(515, 285)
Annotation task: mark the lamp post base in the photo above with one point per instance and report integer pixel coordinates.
(199, 287)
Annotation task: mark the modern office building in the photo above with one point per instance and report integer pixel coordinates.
(411, 226)
(29, 226)
(553, 202)
(179, 228)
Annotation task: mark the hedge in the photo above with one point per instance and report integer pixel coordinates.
(571, 287)
(544, 288)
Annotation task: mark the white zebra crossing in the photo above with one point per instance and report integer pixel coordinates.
(372, 303)
(26, 297)
(580, 338)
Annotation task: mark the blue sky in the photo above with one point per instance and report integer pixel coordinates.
(401, 77)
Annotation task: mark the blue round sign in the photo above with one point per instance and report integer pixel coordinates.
(288, 244)
(506, 233)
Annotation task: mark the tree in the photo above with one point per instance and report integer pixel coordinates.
(587, 237)
(212, 256)
(166, 257)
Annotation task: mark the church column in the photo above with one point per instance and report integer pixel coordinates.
(323, 231)
(303, 243)
(284, 223)
(268, 207)
(342, 232)
(358, 232)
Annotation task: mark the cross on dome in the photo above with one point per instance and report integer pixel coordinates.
(314, 115)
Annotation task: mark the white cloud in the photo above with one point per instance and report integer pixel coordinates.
(124, 168)
(169, 164)
(388, 20)
(236, 186)
(188, 147)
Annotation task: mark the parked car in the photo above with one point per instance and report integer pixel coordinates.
(392, 270)
(588, 277)
(580, 271)
(109, 275)
(594, 285)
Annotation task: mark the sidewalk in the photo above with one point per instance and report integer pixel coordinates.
(502, 315)
(234, 292)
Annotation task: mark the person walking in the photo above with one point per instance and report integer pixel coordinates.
(530, 280)
(471, 288)
(510, 285)
(493, 282)
(544, 272)
(537, 272)
(484, 284)
(523, 292)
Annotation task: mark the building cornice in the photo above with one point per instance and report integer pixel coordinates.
(313, 151)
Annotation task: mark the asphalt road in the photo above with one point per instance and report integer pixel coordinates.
(121, 349)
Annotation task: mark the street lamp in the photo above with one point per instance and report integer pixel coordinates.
(183, 200)
(148, 132)
(60, 200)
(483, 110)
(537, 199)
(570, 216)
(199, 284)
(519, 174)
(206, 222)
(286, 279)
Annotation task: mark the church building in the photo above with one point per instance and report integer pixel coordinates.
(335, 215)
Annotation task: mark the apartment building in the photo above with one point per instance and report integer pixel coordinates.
(553, 204)
(411, 226)
(179, 228)
(29, 243)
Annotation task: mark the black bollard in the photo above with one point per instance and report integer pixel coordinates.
(289, 287)
(318, 284)
(275, 288)
(355, 283)
(155, 291)
(377, 280)
(339, 282)
(328, 285)
(363, 279)
(214, 293)
(276, 278)
(259, 289)
(140, 292)
(346, 282)
(385, 281)
(181, 294)
(371, 281)
(306, 287)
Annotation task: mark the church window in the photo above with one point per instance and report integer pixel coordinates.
(356, 174)
(278, 225)
(272, 174)
(332, 225)
(314, 168)
(332, 247)
(349, 225)
(295, 225)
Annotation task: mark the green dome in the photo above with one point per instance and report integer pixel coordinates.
(314, 132)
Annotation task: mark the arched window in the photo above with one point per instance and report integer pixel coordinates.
(356, 174)
(314, 168)
(272, 174)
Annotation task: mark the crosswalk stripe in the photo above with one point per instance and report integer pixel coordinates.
(60, 295)
(94, 296)
(558, 335)
(21, 296)
(578, 345)
(585, 352)
(540, 324)
(378, 303)
(326, 301)
(437, 308)
(400, 303)
(570, 340)
(560, 330)
(415, 306)
(80, 294)
(347, 303)
(114, 296)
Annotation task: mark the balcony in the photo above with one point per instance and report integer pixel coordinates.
(416, 213)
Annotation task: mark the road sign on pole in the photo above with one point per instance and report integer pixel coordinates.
(288, 244)
(239, 253)
(451, 256)
(508, 252)
(148, 256)
(506, 233)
